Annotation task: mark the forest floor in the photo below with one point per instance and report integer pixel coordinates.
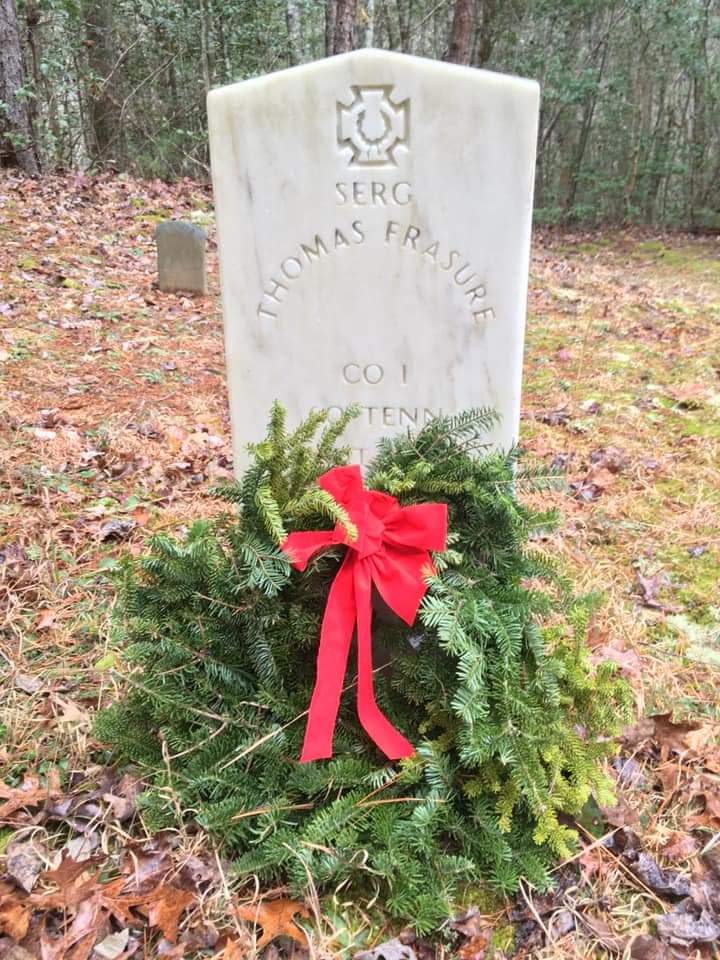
(113, 424)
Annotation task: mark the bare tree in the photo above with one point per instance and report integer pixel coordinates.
(292, 15)
(329, 26)
(461, 33)
(345, 11)
(205, 47)
(17, 146)
(103, 110)
(484, 32)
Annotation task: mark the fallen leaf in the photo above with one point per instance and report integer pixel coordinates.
(69, 869)
(639, 734)
(603, 933)
(683, 737)
(705, 889)
(147, 867)
(71, 712)
(67, 896)
(646, 947)
(560, 924)
(469, 923)
(664, 883)
(22, 681)
(611, 459)
(124, 797)
(116, 529)
(592, 862)
(46, 620)
(393, 949)
(688, 924)
(679, 846)
(647, 589)
(16, 952)
(474, 949)
(199, 937)
(600, 477)
(621, 815)
(708, 789)
(119, 902)
(12, 555)
(84, 929)
(671, 776)
(175, 437)
(14, 916)
(628, 661)
(166, 910)
(81, 848)
(170, 951)
(689, 396)
(555, 418)
(234, 950)
(113, 945)
(140, 516)
(585, 491)
(196, 872)
(52, 948)
(630, 773)
(277, 918)
(23, 863)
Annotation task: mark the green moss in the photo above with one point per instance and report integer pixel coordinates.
(696, 427)
(589, 247)
(650, 246)
(696, 577)
(694, 258)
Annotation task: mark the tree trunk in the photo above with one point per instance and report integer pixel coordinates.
(404, 14)
(224, 49)
(586, 127)
(205, 46)
(103, 111)
(330, 6)
(460, 45)
(485, 36)
(32, 20)
(344, 25)
(370, 25)
(294, 35)
(17, 145)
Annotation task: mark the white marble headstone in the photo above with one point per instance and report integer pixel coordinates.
(374, 216)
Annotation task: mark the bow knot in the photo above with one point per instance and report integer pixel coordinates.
(390, 553)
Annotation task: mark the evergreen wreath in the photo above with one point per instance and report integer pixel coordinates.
(492, 685)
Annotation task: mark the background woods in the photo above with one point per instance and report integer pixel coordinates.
(630, 123)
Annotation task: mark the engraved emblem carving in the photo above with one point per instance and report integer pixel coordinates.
(372, 126)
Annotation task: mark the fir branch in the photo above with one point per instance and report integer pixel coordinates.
(491, 683)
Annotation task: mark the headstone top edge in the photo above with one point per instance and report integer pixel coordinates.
(370, 55)
(186, 225)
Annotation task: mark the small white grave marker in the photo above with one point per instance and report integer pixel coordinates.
(374, 216)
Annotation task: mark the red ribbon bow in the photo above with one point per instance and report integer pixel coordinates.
(391, 551)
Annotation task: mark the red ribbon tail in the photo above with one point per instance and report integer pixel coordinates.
(335, 639)
(392, 743)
